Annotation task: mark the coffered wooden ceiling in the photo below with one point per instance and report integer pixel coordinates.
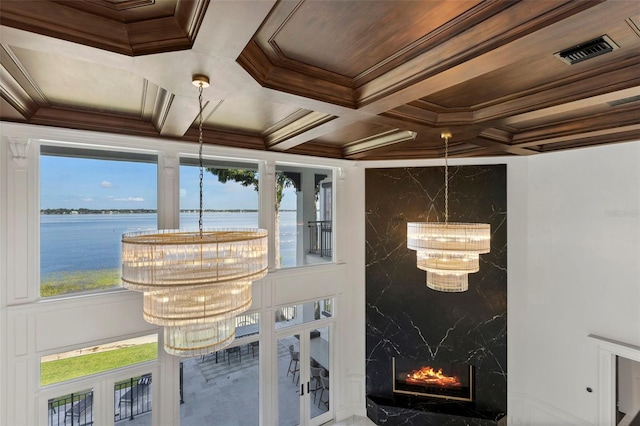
(360, 80)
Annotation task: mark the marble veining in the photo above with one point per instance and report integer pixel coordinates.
(406, 319)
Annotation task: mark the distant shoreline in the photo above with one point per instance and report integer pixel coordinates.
(140, 211)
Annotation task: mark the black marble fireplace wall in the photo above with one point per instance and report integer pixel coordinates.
(408, 320)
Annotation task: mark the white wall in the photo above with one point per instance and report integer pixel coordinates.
(583, 275)
(30, 328)
(573, 270)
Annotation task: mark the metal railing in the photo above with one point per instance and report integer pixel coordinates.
(132, 397)
(320, 237)
(286, 313)
(73, 409)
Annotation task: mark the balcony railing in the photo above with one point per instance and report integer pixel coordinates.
(320, 237)
(73, 409)
(132, 397)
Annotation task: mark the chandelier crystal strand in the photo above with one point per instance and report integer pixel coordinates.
(200, 143)
(446, 179)
(448, 252)
(195, 282)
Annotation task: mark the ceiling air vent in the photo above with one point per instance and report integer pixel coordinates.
(587, 50)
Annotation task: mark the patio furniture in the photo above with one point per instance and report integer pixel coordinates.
(236, 350)
(324, 380)
(315, 384)
(136, 393)
(253, 346)
(294, 364)
(84, 404)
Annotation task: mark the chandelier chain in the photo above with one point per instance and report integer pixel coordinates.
(200, 142)
(446, 179)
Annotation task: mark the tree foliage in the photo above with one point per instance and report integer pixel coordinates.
(250, 178)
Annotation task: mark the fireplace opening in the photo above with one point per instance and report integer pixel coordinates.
(435, 380)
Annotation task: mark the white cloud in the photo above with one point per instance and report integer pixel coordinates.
(87, 200)
(133, 199)
(106, 184)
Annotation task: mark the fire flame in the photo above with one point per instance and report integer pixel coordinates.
(429, 376)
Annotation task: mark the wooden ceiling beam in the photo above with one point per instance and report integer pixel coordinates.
(385, 139)
(307, 121)
(604, 135)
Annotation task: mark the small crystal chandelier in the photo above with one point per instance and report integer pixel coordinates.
(448, 251)
(195, 282)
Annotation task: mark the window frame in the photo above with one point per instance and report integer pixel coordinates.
(89, 152)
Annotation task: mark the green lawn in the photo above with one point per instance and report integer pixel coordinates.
(79, 281)
(84, 365)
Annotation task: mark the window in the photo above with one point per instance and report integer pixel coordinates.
(225, 377)
(230, 194)
(132, 399)
(82, 362)
(88, 199)
(303, 216)
(303, 313)
(74, 409)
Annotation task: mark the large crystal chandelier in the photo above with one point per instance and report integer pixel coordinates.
(194, 282)
(448, 251)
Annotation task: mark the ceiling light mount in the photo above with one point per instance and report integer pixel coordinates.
(200, 80)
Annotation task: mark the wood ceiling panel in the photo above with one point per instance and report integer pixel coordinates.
(131, 27)
(570, 115)
(84, 85)
(123, 10)
(540, 69)
(373, 32)
(354, 132)
(342, 79)
(9, 113)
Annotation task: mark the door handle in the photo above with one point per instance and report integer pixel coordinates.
(301, 389)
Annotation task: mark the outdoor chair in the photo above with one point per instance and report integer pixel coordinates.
(324, 380)
(236, 350)
(84, 404)
(136, 393)
(253, 346)
(294, 364)
(315, 384)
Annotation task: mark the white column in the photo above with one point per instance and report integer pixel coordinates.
(266, 205)
(306, 213)
(22, 215)
(20, 259)
(167, 399)
(338, 213)
(168, 190)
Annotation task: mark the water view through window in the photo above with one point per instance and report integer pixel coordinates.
(88, 199)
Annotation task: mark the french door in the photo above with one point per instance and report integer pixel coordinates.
(304, 391)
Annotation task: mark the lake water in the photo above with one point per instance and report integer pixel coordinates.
(93, 241)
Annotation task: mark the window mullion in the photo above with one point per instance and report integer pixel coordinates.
(168, 191)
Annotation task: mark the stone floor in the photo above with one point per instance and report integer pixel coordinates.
(226, 392)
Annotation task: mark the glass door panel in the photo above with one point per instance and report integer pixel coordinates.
(318, 372)
(289, 380)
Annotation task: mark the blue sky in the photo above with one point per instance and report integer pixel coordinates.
(75, 183)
